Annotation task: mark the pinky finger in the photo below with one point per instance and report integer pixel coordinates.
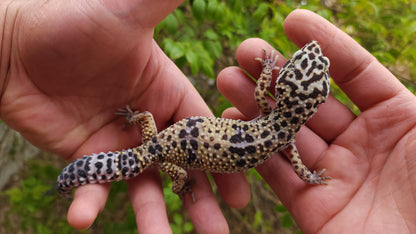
(146, 195)
(89, 200)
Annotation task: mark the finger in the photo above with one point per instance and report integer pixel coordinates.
(148, 203)
(254, 48)
(331, 119)
(89, 200)
(205, 211)
(233, 83)
(356, 71)
(234, 189)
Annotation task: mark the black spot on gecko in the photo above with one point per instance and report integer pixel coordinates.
(304, 63)
(79, 163)
(311, 56)
(98, 165)
(294, 120)
(159, 148)
(182, 133)
(289, 136)
(194, 144)
(191, 155)
(287, 114)
(276, 127)
(124, 171)
(236, 138)
(298, 74)
(183, 144)
(267, 144)
(87, 164)
(191, 122)
(264, 134)
(195, 132)
(299, 110)
(240, 163)
(82, 173)
(154, 139)
(71, 168)
(245, 127)
(136, 170)
(217, 146)
(236, 150)
(152, 150)
(250, 149)
(248, 138)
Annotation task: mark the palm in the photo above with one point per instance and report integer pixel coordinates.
(368, 156)
(78, 75)
(71, 71)
(375, 154)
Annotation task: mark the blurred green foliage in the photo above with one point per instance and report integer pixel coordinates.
(201, 37)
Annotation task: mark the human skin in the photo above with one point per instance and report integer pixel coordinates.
(370, 157)
(67, 66)
(70, 64)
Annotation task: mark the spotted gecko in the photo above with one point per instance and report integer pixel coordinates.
(217, 144)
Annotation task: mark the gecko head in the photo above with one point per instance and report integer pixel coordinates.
(303, 82)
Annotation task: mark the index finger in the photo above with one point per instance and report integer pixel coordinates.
(356, 71)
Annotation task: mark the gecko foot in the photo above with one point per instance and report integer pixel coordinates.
(187, 188)
(317, 179)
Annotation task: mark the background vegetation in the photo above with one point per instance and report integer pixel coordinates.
(201, 36)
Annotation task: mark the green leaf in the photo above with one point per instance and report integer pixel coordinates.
(280, 208)
(207, 69)
(198, 9)
(173, 49)
(286, 220)
(211, 34)
(171, 23)
(192, 59)
(257, 219)
(214, 48)
(261, 12)
(212, 9)
(188, 227)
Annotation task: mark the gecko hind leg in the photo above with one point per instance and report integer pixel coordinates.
(180, 182)
(143, 119)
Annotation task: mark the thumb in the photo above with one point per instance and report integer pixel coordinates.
(144, 13)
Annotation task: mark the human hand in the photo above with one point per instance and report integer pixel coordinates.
(70, 65)
(370, 157)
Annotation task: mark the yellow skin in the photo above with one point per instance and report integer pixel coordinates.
(57, 96)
